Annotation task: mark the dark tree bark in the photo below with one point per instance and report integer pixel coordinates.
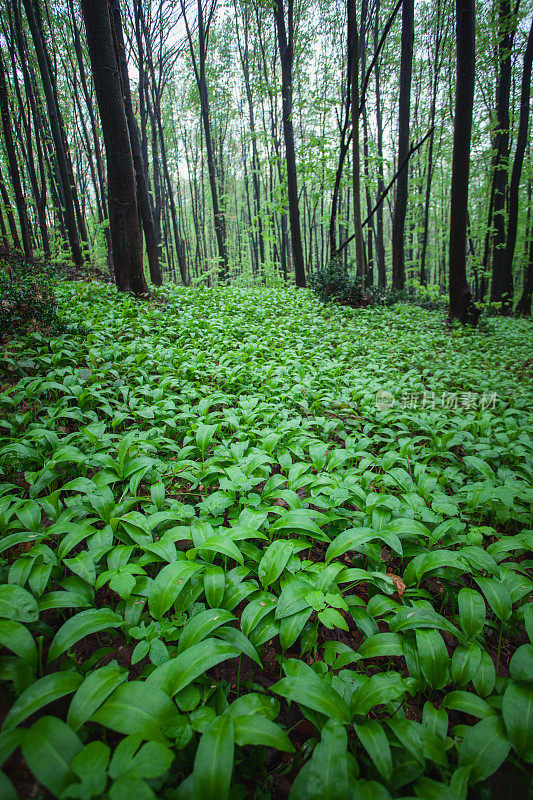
(14, 173)
(460, 295)
(439, 37)
(286, 51)
(143, 199)
(523, 307)
(380, 246)
(353, 71)
(502, 287)
(519, 155)
(400, 206)
(199, 71)
(55, 127)
(123, 214)
(9, 214)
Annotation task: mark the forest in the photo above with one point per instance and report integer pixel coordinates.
(266, 452)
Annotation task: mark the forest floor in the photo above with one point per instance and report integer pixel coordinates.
(283, 544)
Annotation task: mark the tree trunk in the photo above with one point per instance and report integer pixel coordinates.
(122, 200)
(55, 127)
(285, 45)
(400, 206)
(460, 295)
(353, 62)
(13, 165)
(502, 289)
(519, 156)
(143, 198)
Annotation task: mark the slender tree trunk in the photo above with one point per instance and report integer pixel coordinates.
(123, 213)
(519, 155)
(13, 165)
(523, 307)
(436, 71)
(400, 206)
(460, 295)
(285, 44)
(502, 289)
(55, 127)
(143, 199)
(380, 246)
(353, 61)
(9, 213)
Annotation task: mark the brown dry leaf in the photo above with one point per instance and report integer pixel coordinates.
(400, 585)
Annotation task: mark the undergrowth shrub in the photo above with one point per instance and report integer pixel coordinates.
(27, 295)
(333, 283)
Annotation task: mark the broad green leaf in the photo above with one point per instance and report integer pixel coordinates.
(471, 612)
(258, 730)
(274, 561)
(484, 748)
(466, 660)
(49, 747)
(315, 694)
(372, 736)
(136, 707)
(434, 658)
(17, 604)
(168, 584)
(174, 675)
(17, 638)
(39, 694)
(327, 777)
(517, 711)
(213, 763)
(201, 625)
(497, 596)
(96, 688)
(83, 624)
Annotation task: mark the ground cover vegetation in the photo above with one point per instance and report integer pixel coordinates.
(254, 545)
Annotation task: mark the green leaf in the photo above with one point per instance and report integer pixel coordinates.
(468, 703)
(327, 776)
(497, 596)
(517, 711)
(201, 625)
(372, 736)
(168, 584)
(434, 658)
(315, 694)
(471, 612)
(136, 707)
(7, 790)
(485, 677)
(96, 688)
(381, 644)
(174, 675)
(81, 625)
(258, 730)
(351, 539)
(375, 691)
(521, 666)
(17, 603)
(147, 761)
(291, 627)
(90, 766)
(274, 561)
(49, 747)
(224, 545)
(465, 663)
(17, 638)
(484, 748)
(214, 585)
(213, 763)
(39, 694)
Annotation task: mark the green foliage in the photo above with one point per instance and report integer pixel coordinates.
(27, 295)
(206, 516)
